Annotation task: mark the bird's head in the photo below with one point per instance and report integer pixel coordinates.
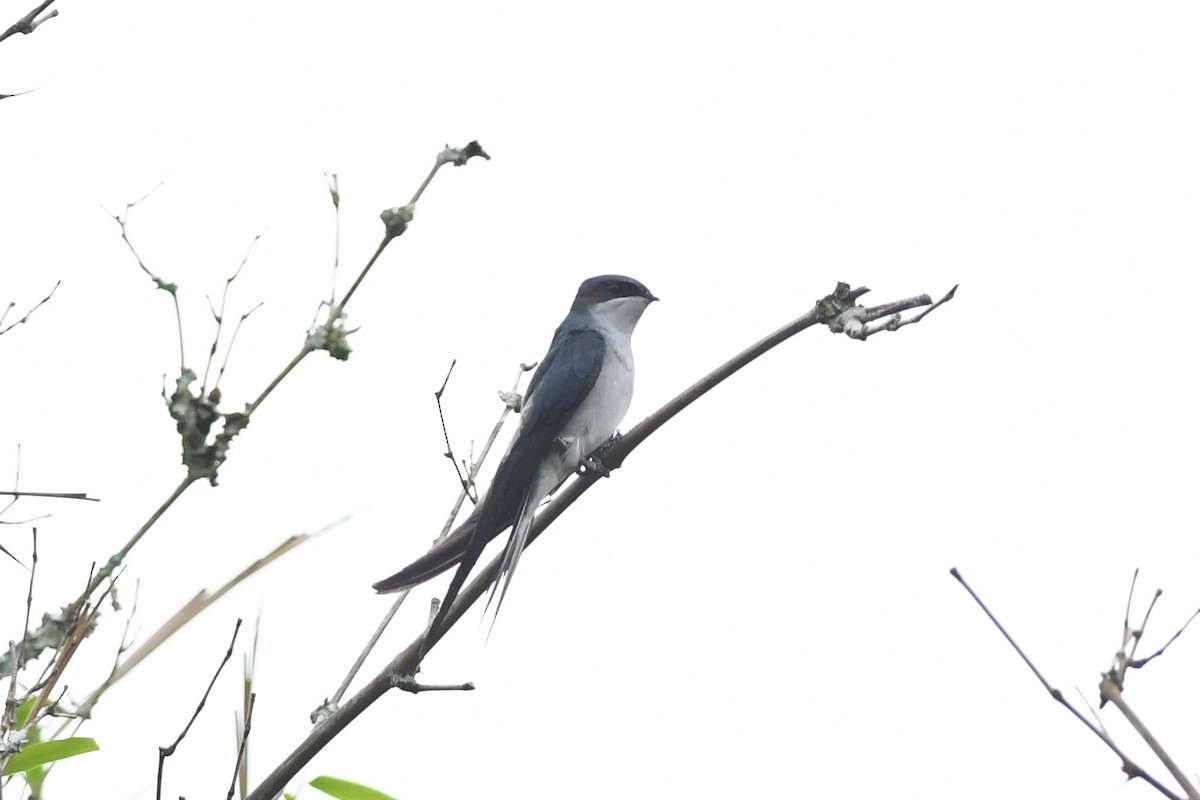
(616, 299)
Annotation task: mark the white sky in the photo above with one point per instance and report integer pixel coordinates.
(758, 605)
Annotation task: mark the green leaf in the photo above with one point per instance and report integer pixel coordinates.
(347, 790)
(23, 712)
(34, 755)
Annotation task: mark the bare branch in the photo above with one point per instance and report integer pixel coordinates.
(166, 752)
(28, 313)
(1128, 765)
(31, 21)
(404, 666)
(1111, 692)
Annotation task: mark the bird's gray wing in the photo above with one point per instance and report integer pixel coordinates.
(561, 383)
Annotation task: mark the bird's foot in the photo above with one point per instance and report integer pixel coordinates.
(594, 464)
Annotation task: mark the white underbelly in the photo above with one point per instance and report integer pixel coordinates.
(594, 422)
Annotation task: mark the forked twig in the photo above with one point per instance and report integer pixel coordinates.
(1109, 692)
(219, 316)
(166, 752)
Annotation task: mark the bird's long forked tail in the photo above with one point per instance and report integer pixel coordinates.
(508, 564)
(462, 548)
(441, 557)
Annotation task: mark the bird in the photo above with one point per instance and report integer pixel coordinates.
(577, 397)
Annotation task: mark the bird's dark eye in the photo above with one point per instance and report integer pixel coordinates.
(615, 287)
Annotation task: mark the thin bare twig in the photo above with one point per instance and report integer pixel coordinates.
(437, 396)
(16, 487)
(321, 712)
(242, 772)
(1138, 663)
(220, 318)
(232, 339)
(54, 495)
(512, 403)
(172, 289)
(239, 767)
(946, 298)
(8, 723)
(28, 313)
(166, 752)
(331, 181)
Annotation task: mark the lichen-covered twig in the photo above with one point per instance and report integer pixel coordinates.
(206, 432)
